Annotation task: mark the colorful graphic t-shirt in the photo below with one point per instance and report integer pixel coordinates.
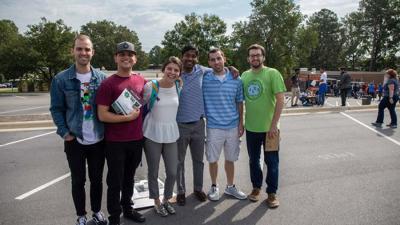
(88, 132)
(260, 90)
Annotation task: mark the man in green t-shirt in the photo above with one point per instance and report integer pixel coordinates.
(264, 99)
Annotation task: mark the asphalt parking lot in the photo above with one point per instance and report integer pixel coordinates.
(334, 169)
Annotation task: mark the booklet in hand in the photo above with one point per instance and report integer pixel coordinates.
(272, 144)
(126, 102)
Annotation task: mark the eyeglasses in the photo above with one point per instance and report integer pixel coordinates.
(256, 56)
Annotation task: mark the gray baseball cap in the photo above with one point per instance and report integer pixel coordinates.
(125, 46)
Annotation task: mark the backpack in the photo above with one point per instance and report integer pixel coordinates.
(155, 86)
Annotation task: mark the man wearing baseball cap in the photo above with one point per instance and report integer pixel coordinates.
(123, 134)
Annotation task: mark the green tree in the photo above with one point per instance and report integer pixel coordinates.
(380, 30)
(105, 36)
(52, 41)
(353, 49)
(16, 55)
(272, 24)
(306, 40)
(156, 56)
(204, 32)
(330, 32)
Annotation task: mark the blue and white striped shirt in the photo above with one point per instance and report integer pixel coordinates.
(221, 99)
(191, 105)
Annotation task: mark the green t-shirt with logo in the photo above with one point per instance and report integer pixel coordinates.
(260, 90)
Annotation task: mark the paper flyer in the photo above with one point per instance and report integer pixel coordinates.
(126, 102)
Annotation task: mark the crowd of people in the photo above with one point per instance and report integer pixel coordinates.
(315, 92)
(190, 106)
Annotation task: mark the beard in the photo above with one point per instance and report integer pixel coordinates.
(256, 65)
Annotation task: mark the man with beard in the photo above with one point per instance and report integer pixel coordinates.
(74, 112)
(191, 123)
(264, 98)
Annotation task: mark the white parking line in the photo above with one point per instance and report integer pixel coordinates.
(372, 129)
(29, 193)
(25, 139)
(26, 109)
(329, 104)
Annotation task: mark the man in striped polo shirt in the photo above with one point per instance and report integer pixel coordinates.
(191, 124)
(223, 101)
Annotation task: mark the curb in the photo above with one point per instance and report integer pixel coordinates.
(36, 121)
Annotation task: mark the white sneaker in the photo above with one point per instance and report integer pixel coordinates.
(213, 193)
(233, 191)
(81, 220)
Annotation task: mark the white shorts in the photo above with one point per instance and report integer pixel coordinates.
(222, 138)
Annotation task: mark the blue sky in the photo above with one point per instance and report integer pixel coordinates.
(149, 18)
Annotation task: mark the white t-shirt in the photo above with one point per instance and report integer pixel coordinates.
(221, 77)
(160, 123)
(88, 132)
(324, 78)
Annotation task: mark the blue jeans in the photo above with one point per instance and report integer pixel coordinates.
(321, 94)
(254, 142)
(384, 103)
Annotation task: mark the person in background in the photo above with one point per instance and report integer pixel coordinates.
(323, 80)
(161, 132)
(380, 91)
(295, 87)
(344, 84)
(371, 90)
(74, 112)
(389, 100)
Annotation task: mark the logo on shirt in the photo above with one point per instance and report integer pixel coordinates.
(85, 98)
(254, 90)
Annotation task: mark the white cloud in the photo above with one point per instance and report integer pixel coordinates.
(340, 7)
(149, 18)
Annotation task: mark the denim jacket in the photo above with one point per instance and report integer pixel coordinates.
(65, 104)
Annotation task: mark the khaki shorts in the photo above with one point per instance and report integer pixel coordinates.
(228, 139)
(295, 91)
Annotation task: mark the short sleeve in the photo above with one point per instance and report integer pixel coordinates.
(278, 85)
(239, 92)
(103, 96)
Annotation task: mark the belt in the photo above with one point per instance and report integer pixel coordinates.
(192, 122)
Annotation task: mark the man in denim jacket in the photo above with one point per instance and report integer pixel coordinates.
(74, 112)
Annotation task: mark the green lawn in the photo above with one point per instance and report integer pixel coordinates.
(8, 90)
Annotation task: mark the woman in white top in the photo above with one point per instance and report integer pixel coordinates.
(161, 132)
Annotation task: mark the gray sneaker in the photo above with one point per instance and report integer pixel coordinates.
(213, 193)
(160, 210)
(233, 191)
(169, 207)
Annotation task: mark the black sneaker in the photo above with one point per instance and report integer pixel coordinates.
(134, 215)
(377, 124)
